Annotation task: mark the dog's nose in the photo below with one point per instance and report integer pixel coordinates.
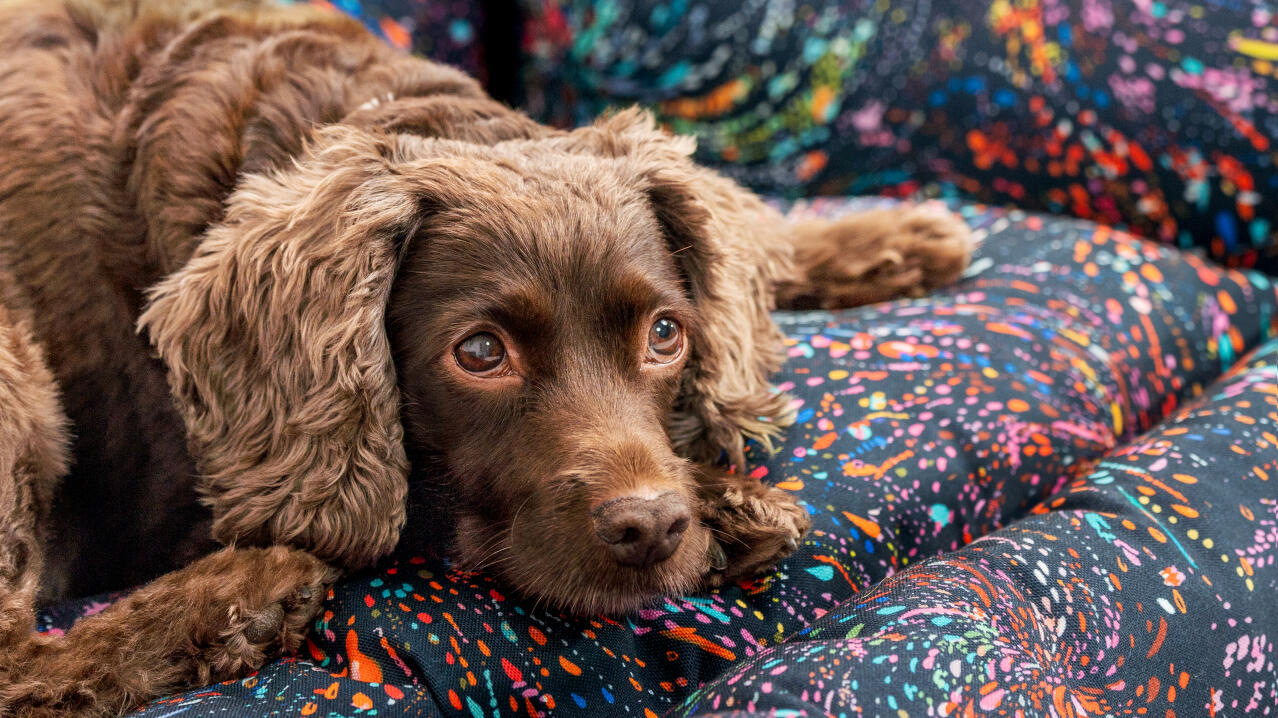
(642, 531)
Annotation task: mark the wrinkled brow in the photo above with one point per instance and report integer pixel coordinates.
(615, 302)
(524, 310)
(628, 298)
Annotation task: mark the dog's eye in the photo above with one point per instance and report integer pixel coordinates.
(665, 340)
(480, 353)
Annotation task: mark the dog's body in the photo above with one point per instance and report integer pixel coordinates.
(312, 230)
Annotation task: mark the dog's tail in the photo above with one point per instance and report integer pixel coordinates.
(873, 256)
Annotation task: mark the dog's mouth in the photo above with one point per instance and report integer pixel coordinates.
(581, 570)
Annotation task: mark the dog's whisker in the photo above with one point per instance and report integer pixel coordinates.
(515, 520)
(488, 546)
(723, 534)
(485, 551)
(493, 558)
(490, 542)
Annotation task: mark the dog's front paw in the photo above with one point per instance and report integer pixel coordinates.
(215, 620)
(230, 612)
(753, 526)
(266, 604)
(875, 256)
(269, 613)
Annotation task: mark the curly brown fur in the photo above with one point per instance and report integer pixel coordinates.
(875, 255)
(305, 225)
(755, 525)
(215, 620)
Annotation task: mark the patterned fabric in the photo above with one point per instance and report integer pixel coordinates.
(443, 30)
(1146, 582)
(1154, 115)
(1007, 407)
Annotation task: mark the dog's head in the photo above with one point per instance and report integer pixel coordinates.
(557, 320)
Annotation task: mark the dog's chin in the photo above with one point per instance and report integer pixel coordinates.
(579, 577)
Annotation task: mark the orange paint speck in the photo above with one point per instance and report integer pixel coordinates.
(363, 668)
(867, 527)
(689, 635)
(822, 96)
(396, 34)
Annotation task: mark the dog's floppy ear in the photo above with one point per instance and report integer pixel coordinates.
(278, 357)
(726, 244)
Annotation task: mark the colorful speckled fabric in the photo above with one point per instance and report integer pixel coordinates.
(444, 30)
(993, 525)
(1157, 115)
(1145, 585)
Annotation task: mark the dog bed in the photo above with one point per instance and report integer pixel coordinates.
(1032, 491)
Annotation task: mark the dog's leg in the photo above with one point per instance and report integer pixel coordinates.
(753, 525)
(215, 620)
(33, 457)
(874, 256)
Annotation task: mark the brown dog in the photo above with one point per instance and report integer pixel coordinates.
(345, 257)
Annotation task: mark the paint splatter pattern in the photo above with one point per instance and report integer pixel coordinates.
(993, 409)
(1154, 115)
(446, 31)
(1144, 587)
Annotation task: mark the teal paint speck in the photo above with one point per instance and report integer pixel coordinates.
(825, 573)
(813, 49)
(941, 514)
(1099, 525)
(1226, 350)
(461, 31)
(674, 75)
(1259, 230)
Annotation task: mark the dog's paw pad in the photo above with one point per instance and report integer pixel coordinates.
(280, 625)
(271, 597)
(264, 626)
